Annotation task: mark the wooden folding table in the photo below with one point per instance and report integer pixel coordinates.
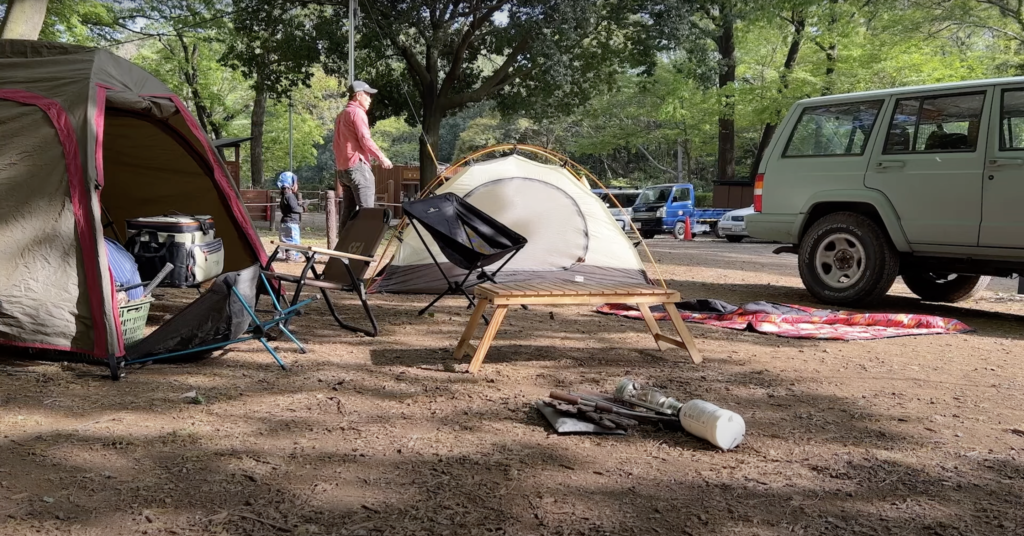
(569, 293)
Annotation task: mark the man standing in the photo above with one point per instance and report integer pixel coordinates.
(353, 149)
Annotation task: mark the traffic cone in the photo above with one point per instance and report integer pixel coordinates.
(687, 235)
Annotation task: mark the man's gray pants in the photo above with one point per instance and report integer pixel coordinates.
(358, 190)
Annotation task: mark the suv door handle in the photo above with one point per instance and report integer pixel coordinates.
(996, 162)
(889, 164)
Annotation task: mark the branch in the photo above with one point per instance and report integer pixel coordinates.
(1001, 6)
(656, 164)
(460, 50)
(1017, 37)
(412, 61)
(499, 79)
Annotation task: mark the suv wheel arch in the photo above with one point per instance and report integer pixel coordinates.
(888, 222)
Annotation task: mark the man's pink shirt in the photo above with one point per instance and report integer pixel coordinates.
(352, 140)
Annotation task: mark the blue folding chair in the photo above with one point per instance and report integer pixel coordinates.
(224, 315)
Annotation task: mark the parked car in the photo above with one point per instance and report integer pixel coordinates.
(923, 182)
(626, 199)
(663, 209)
(733, 225)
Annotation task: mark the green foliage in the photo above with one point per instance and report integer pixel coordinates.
(703, 200)
(224, 93)
(625, 88)
(398, 140)
(307, 133)
(84, 22)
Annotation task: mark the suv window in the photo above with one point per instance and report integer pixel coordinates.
(833, 130)
(943, 124)
(1011, 126)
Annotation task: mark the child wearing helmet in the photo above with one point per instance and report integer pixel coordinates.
(290, 214)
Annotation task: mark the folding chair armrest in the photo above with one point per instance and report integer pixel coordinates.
(322, 251)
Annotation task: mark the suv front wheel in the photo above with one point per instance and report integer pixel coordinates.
(847, 259)
(945, 287)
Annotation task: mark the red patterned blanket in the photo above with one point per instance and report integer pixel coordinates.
(798, 322)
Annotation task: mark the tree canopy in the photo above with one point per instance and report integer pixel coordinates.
(638, 91)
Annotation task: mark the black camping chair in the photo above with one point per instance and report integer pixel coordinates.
(468, 237)
(346, 266)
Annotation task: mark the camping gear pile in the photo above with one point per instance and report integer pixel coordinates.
(633, 404)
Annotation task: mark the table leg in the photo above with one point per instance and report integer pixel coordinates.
(474, 321)
(485, 342)
(652, 325)
(684, 333)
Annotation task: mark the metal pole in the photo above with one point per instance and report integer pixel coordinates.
(679, 161)
(290, 140)
(353, 7)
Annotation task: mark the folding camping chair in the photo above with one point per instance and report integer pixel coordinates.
(468, 237)
(346, 266)
(224, 315)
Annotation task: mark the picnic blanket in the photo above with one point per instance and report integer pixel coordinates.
(798, 322)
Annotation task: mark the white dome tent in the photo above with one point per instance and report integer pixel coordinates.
(571, 234)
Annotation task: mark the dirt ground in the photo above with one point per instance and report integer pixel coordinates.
(918, 435)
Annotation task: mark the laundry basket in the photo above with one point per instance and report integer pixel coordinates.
(133, 320)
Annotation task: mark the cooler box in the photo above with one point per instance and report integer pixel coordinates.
(187, 242)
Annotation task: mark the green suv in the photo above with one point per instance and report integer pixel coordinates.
(924, 182)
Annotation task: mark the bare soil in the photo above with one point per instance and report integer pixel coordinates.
(917, 435)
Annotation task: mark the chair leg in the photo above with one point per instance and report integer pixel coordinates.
(435, 300)
(273, 354)
(373, 332)
(302, 349)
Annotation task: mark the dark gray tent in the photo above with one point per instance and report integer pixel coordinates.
(85, 131)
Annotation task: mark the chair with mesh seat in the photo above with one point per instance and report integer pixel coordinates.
(225, 314)
(467, 237)
(346, 267)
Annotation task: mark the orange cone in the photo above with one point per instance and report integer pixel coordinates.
(687, 235)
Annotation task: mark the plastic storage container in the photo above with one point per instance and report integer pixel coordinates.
(133, 320)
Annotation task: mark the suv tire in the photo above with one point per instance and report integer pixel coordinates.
(847, 259)
(734, 238)
(940, 287)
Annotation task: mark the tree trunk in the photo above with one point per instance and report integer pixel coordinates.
(23, 19)
(726, 77)
(831, 54)
(432, 129)
(190, 73)
(787, 67)
(259, 116)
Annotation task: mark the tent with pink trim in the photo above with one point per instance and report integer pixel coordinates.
(90, 139)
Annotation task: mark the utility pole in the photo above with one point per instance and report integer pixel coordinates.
(290, 138)
(353, 14)
(679, 161)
